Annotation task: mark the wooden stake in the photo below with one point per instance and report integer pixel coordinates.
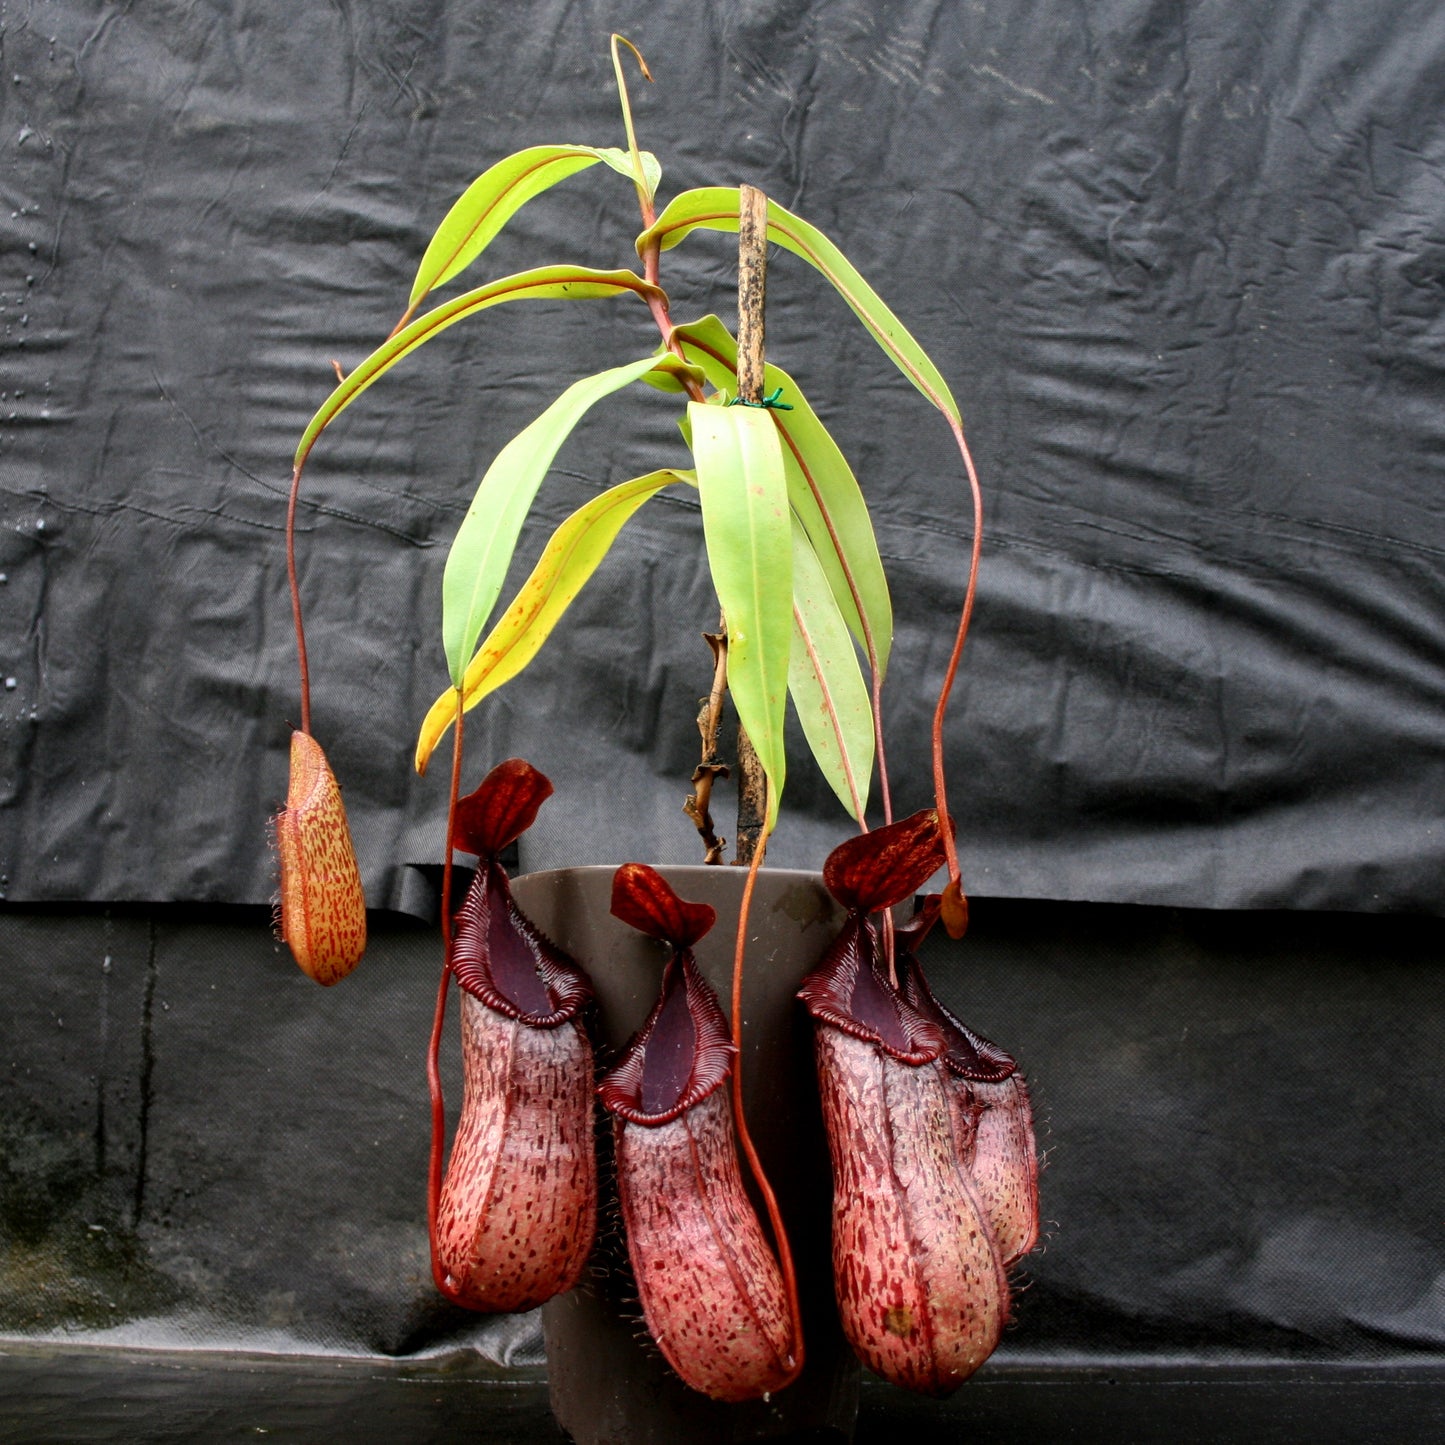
(752, 288)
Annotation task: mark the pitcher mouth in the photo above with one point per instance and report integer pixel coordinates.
(849, 991)
(503, 960)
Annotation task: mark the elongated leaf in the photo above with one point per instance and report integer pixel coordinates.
(567, 561)
(715, 208)
(748, 531)
(827, 683)
(821, 488)
(496, 196)
(573, 282)
(482, 552)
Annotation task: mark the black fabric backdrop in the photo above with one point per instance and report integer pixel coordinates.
(1182, 263)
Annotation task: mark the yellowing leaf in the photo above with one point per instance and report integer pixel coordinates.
(568, 560)
(482, 552)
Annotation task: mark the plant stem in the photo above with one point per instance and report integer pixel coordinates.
(745, 1139)
(965, 617)
(644, 200)
(296, 600)
(752, 800)
(711, 766)
(652, 254)
(433, 1060)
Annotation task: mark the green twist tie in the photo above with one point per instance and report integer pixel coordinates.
(771, 401)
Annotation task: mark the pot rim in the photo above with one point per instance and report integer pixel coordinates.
(716, 870)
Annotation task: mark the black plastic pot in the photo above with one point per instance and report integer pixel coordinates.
(609, 1384)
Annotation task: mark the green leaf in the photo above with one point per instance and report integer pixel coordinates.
(482, 552)
(497, 195)
(715, 208)
(567, 561)
(573, 282)
(821, 488)
(488, 204)
(748, 531)
(621, 162)
(827, 683)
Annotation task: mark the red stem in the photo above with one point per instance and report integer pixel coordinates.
(745, 1139)
(651, 268)
(875, 692)
(939, 787)
(433, 1061)
(296, 600)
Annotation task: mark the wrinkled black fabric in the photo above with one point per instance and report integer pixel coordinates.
(1182, 265)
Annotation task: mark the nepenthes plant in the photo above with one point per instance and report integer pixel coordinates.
(929, 1128)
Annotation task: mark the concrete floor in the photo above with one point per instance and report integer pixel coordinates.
(67, 1396)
